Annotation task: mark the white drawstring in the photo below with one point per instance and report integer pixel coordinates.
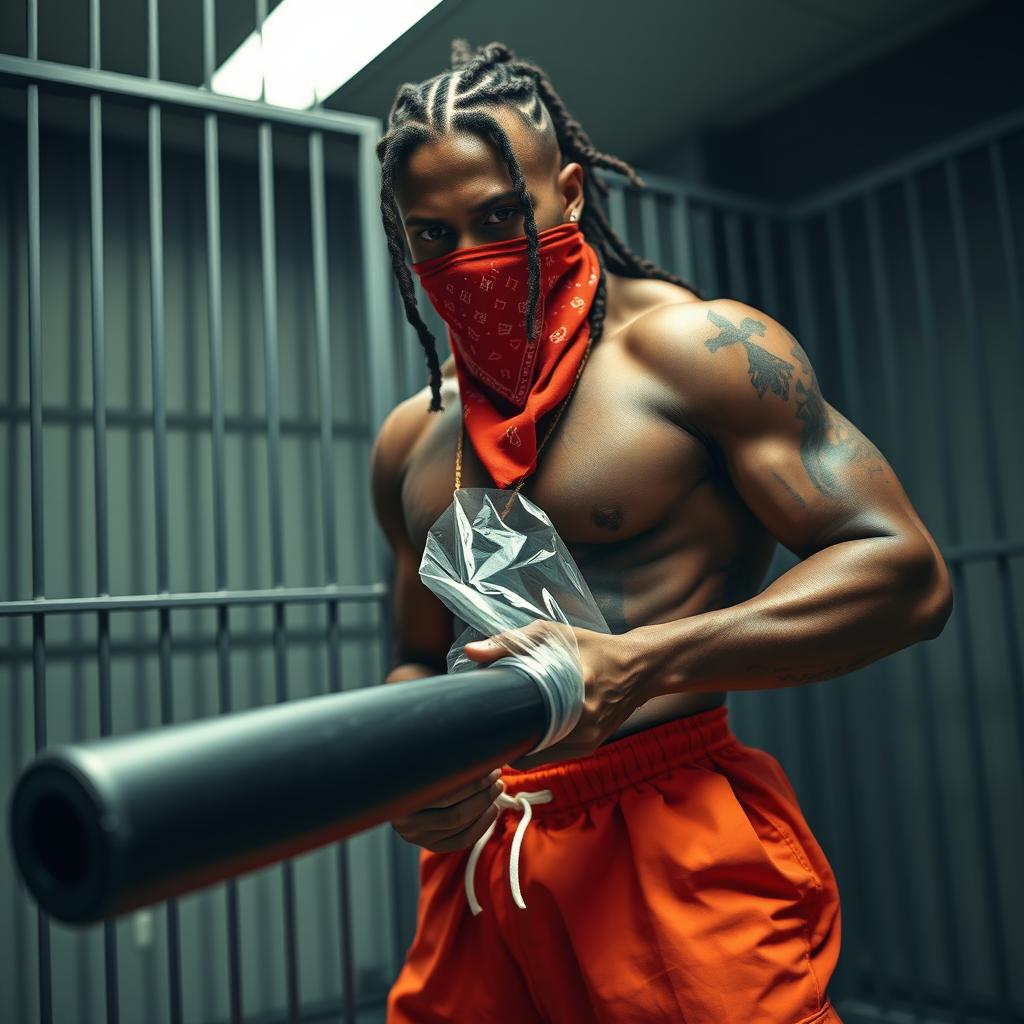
(523, 800)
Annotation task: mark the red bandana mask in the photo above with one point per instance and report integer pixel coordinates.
(506, 384)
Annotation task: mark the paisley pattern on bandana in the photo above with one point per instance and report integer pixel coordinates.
(506, 384)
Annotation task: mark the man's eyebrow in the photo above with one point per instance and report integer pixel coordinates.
(500, 197)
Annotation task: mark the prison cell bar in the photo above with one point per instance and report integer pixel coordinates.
(268, 246)
(837, 696)
(154, 93)
(895, 819)
(976, 747)
(651, 245)
(121, 85)
(820, 769)
(1007, 591)
(321, 303)
(923, 296)
(35, 369)
(99, 407)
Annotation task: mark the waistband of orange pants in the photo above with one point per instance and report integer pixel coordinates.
(633, 758)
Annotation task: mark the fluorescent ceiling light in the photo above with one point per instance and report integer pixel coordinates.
(311, 47)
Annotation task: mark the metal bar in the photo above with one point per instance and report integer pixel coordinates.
(707, 273)
(19, 71)
(380, 349)
(99, 405)
(705, 193)
(883, 323)
(380, 342)
(735, 255)
(900, 169)
(844, 314)
(152, 40)
(1008, 602)
(974, 717)
(158, 379)
(819, 767)
(617, 212)
(682, 239)
(838, 696)
(35, 390)
(806, 311)
(211, 155)
(1008, 594)
(136, 648)
(35, 363)
(270, 348)
(318, 220)
(99, 358)
(933, 386)
(321, 300)
(895, 818)
(202, 599)
(215, 320)
(381, 356)
(185, 421)
(769, 297)
(1006, 238)
(268, 247)
(649, 227)
(216, 331)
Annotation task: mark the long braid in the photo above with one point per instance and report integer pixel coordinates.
(489, 76)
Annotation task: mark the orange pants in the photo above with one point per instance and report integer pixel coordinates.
(668, 876)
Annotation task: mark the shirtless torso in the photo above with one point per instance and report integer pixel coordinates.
(653, 522)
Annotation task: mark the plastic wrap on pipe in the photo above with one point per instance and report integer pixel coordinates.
(499, 571)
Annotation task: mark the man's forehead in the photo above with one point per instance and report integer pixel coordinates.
(463, 163)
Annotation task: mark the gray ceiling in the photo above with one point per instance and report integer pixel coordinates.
(636, 73)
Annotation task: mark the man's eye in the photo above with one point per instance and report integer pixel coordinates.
(506, 210)
(426, 238)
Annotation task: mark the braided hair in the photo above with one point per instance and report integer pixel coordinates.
(455, 100)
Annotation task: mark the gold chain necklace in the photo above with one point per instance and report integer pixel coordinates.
(554, 423)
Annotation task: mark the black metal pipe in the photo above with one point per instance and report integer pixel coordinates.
(102, 827)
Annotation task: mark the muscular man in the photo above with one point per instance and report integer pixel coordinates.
(669, 873)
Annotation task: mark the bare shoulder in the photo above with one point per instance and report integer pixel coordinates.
(715, 354)
(409, 420)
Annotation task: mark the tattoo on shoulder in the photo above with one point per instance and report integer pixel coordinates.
(828, 440)
(765, 369)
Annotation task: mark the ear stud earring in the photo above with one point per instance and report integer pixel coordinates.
(572, 216)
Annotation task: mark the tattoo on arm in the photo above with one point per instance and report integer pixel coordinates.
(789, 490)
(830, 671)
(828, 440)
(765, 369)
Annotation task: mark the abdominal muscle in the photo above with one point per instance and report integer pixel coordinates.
(662, 709)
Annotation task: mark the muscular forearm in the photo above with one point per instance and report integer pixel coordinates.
(839, 609)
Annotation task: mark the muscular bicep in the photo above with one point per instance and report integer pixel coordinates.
(817, 482)
(802, 467)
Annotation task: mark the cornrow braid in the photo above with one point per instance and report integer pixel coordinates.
(451, 101)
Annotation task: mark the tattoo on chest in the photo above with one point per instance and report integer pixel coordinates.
(828, 440)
